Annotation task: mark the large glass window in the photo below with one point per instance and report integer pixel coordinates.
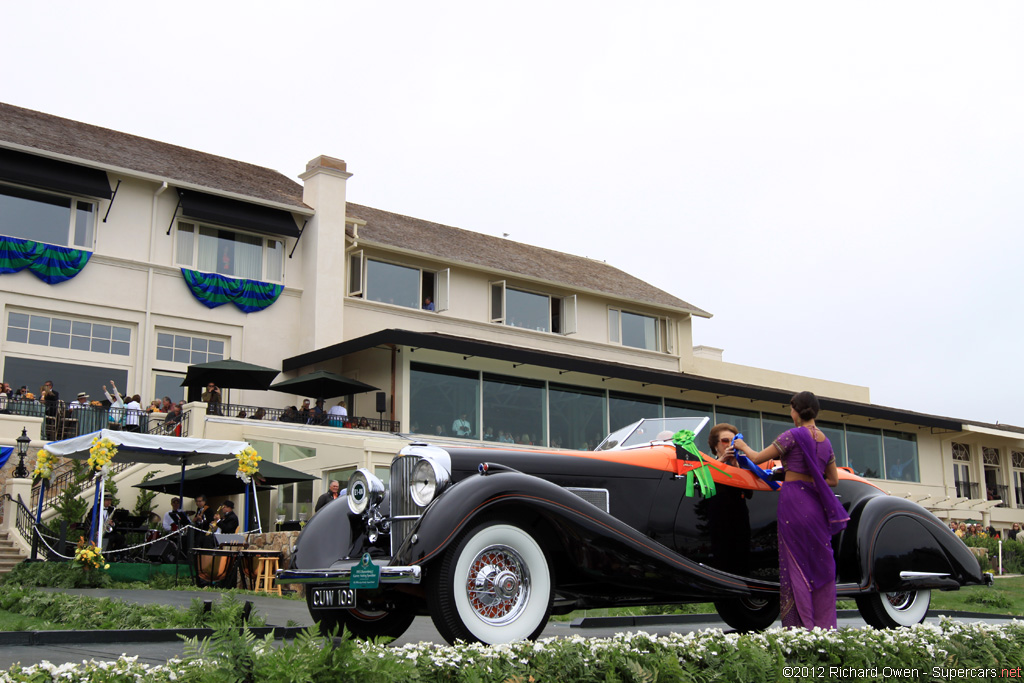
(170, 386)
(392, 284)
(687, 409)
(635, 330)
(230, 253)
(837, 436)
(43, 217)
(747, 421)
(513, 410)
(576, 417)
(625, 409)
(773, 425)
(532, 310)
(444, 401)
(527, 310)
(182, 348)
(865, 451)
(900, 456)
(288, 452)
(63, 333)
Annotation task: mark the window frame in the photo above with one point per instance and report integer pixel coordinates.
(70, 350)
(497, 302)
(73, 211)
(359, 267)
(266, 250)
(663, 335)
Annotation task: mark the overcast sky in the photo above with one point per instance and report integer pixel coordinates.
(840, 185)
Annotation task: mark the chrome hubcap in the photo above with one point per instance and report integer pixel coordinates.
(901, 600)
(498, 585)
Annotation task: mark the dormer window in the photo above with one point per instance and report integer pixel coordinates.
(639, 331)
(397, 284)
(532, 310)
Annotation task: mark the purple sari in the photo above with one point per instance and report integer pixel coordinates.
(809, 514)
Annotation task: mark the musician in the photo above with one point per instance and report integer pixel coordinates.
(175, 518)
(203, 516)
(226, 519)
(113, 539)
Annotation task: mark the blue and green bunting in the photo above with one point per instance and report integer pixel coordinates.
(216, 290)
(683, 439)
(51, 264)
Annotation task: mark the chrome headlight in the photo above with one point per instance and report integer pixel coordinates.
(364, 490)
(428, 479)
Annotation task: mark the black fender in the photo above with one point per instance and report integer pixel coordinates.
(894, 535)
(326, 537)
(594, 554)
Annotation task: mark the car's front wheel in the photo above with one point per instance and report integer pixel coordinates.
(493, 586)
(891, 610)
(363, 622)
(749, 614)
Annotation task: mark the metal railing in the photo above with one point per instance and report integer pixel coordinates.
(64, 480)
(62, 420)
(999, 492)
(967, 489)
(169, 427)
(288, 416)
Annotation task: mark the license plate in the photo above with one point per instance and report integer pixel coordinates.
(333, 598)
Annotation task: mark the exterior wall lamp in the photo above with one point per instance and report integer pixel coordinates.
(21, 472)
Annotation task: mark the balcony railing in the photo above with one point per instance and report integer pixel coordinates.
(67, 420)
(998, 492)
(967, 489)
(286, 416)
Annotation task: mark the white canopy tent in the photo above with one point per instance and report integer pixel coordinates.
(149, 448)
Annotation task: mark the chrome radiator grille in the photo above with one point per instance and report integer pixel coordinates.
(401, 502)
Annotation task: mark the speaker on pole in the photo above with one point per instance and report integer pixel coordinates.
(382, 402)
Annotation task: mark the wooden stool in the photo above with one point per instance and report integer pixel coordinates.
(266, 567)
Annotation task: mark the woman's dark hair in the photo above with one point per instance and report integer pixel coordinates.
(715, 431)
(805, 404)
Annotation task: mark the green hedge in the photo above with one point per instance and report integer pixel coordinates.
(926, 652)
(1013, 553)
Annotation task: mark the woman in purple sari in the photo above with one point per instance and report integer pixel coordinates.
(809, 515)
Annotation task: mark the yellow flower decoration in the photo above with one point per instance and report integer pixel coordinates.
(88, 556)
(45, 462)
(101, 453)
(248, 464)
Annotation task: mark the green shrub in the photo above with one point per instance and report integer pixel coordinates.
(55, 575)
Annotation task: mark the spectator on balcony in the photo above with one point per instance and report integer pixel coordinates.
(50, 397)
(318, 414)
(166, 404)
(81, 401)
(115, 415)
(304, 412)
(172, 423)
(21, 393)
(211, 397)
(259, 414)
(337, 414)
(290, 415)
(154, 406)
(132, 411)
(461, 426)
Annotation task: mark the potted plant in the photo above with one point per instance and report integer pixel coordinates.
(303, 512)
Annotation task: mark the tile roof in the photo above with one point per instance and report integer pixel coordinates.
(457, 245)
(56, 135)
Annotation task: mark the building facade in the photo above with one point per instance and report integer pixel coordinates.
(128, 259)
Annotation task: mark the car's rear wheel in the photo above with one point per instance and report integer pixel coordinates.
(749, 614)
(891, 610)
(493, 586)
(363, 622)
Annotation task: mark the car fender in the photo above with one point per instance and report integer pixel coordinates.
(600, 549)
(900, 545)
(326, 537)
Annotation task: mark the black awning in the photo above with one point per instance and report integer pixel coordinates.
(50, 174)
(587, 366)
(233, 213)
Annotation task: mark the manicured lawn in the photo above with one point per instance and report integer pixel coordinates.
(10, 621)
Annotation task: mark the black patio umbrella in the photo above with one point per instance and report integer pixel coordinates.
(322, 384)
(230, 374)
(220, 480)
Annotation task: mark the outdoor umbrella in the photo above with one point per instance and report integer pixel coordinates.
(322, 384)
(221, 480)
(231, 374)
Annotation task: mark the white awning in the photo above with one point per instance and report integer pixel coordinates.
(151, 448)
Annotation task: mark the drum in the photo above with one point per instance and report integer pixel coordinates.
(214, 566)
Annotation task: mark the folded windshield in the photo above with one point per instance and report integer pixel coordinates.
(652, 429)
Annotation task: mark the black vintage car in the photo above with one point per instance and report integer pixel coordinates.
(492, 541)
